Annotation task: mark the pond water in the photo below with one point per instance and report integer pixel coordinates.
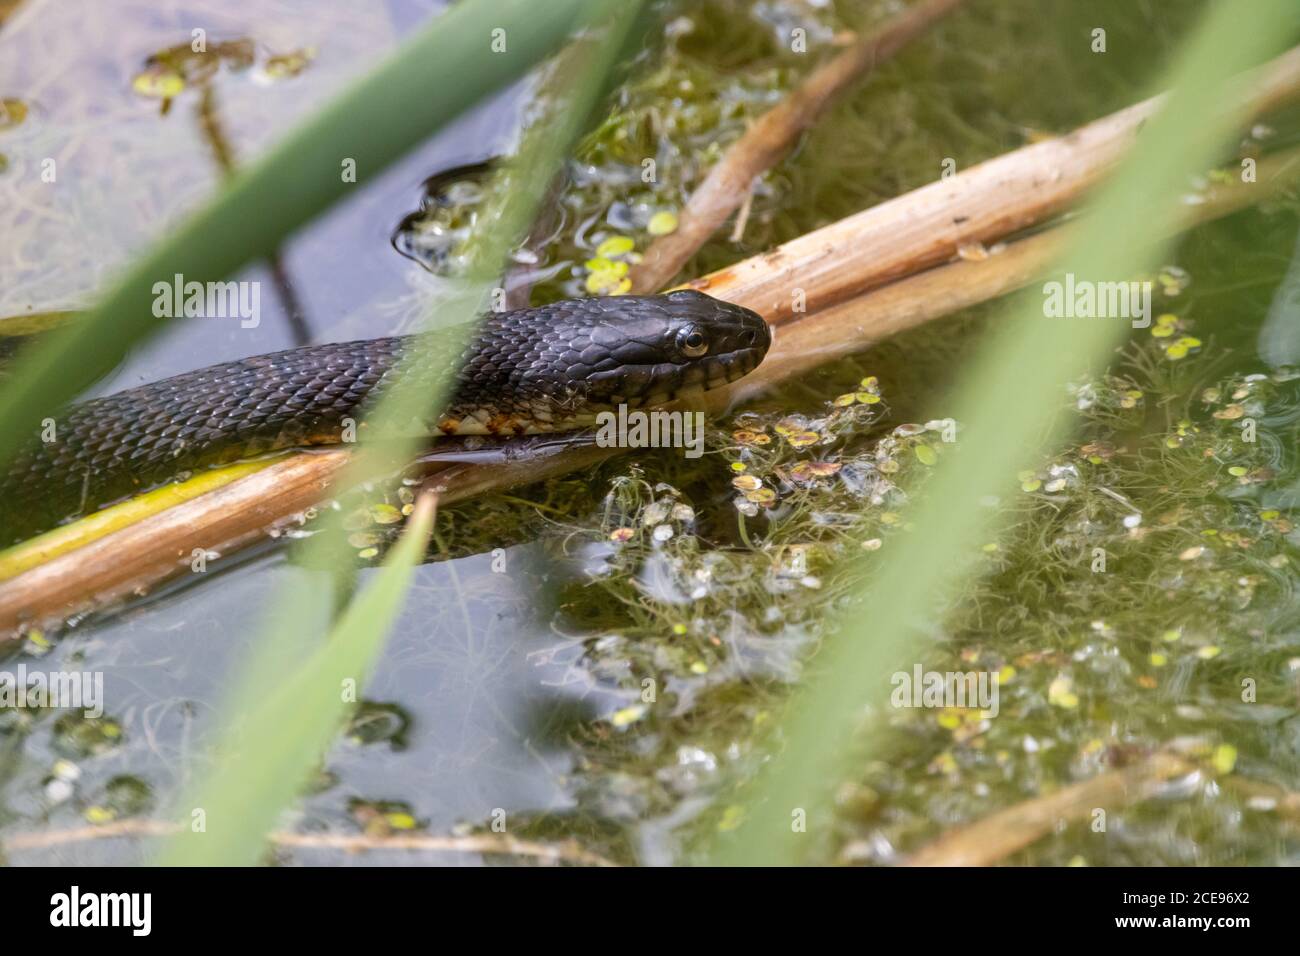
(512, 682)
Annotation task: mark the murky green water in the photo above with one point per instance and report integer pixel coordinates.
(515, 680)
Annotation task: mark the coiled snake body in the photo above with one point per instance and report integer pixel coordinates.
(546, 369)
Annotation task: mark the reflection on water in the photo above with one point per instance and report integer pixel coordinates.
(124, 173)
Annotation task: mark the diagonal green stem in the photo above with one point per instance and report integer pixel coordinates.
(286, 703)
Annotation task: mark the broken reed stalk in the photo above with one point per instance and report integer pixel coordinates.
(771, 137)
(862, 251)
(132, 560)
(993, 838)
(854, 325)
(484, 844)
(997, 836)
(985, 203)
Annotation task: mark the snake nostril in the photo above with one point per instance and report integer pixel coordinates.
(747, 338)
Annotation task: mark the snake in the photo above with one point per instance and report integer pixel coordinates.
(550, 368)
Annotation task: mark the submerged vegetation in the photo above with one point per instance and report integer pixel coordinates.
(1142, 591)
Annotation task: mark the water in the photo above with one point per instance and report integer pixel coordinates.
(513, 681)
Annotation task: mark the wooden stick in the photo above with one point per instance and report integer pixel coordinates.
(997, 836)
(1005, 832)
(929, 225)
(857, 324)
(158, 548)
(139, 557)
(494, 844)
(771, 137)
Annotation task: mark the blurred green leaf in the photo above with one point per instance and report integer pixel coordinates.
(289, 733)
(266, 752)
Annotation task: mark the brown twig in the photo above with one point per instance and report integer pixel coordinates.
(863, 250)
(493, 844)
(985, 203)
(162, 546)
(855, 325)
(998, 836)
(1275, 799)
(771, 137)
(223, 153)
(1005, 832)
(486, 843)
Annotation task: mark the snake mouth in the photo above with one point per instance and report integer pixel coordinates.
(673, 382)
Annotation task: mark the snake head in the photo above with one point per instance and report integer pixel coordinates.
(647, 350)
(557, 366)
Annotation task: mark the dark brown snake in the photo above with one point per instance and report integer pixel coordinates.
(546, 369)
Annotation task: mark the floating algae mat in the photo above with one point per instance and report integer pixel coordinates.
(604, 658)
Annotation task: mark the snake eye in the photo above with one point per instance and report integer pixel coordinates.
(692, 342)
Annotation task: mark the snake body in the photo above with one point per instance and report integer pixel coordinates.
(546, 369)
